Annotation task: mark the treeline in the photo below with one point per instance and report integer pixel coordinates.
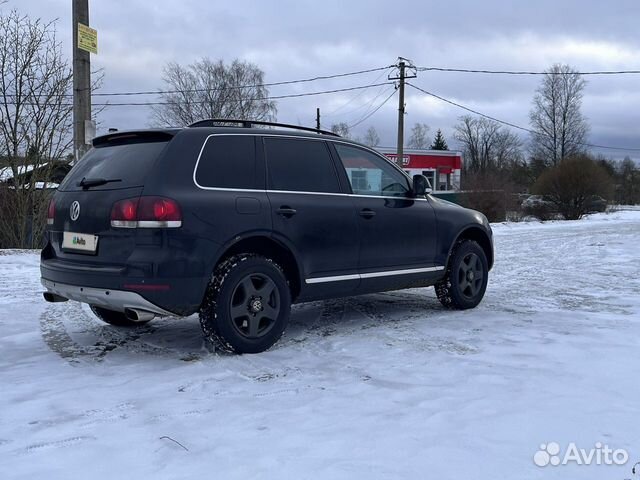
(555, 162)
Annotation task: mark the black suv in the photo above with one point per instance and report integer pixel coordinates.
(238, 222)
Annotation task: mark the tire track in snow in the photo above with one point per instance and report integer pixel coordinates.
(66, 442)
(105, 338)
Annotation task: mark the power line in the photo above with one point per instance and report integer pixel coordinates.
(231, 87)
(239, 87)
(513, 125)
(374, 111)
(367, 105)
(275, 97)
(526, 72)
(355, 97)
(451, 102)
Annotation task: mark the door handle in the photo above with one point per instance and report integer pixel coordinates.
(286, 211)
(367, 213)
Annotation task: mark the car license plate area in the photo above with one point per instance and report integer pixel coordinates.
(79, 242)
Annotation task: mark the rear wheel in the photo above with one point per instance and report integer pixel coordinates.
(117, 319)
(467, 277)
(247, 304)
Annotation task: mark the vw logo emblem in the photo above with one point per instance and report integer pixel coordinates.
(74, 211)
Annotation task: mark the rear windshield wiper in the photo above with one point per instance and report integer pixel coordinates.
(95, 182)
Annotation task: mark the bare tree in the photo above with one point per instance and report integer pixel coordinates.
(628, 179)
(418, 138)
(486, 144)
(208, 89)
(371, 138)
(341, 129)
(35, 122)
(560, 128)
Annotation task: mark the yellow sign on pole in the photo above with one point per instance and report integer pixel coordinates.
(87, 38)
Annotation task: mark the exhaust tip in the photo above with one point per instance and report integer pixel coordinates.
(136, 315)
(53, 298)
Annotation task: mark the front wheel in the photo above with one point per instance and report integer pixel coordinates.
(247, 304)
(467, 276)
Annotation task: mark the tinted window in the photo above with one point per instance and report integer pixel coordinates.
(370, 174)
(300, 165)
(128, 162)
(228, 161)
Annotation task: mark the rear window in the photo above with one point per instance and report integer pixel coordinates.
(128, 162)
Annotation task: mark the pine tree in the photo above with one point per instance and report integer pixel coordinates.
(439, 143)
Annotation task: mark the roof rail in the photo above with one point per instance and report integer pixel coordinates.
(213, 122)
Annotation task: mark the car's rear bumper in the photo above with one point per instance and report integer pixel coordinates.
(118, 300)
(167, 294)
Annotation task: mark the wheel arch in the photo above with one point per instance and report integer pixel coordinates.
(478, 235)
(270, 248)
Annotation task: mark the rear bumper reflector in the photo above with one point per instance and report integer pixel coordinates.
(145, 287)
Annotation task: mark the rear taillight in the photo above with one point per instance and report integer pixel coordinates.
(51, 212)
(146, 212)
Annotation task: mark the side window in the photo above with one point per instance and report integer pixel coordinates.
(228, 161)
(370, 174)
(300, 165)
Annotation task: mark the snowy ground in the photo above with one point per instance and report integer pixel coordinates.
(379, 386)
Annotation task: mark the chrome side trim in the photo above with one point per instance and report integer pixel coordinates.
(386, 273)
(337, 278)
(117, 300)
(408, 271)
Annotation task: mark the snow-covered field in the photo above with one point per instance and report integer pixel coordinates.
(379, 386)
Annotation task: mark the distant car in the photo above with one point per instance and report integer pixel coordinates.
(534, 204)
(237, 224)
(596, 204)
(537, 201)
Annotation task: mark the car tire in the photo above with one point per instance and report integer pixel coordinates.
(247, 304)
(117, 319)
(466, 279)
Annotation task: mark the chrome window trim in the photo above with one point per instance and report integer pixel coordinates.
(385, 273)
(251, 190)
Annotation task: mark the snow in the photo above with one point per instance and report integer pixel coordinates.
(380, 386)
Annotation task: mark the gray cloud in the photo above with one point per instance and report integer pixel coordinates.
(293, 39)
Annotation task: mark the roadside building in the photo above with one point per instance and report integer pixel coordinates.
(441, 167)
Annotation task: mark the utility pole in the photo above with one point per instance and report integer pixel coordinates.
(402, 76)
(400, 147)
(81, 82)
(317, 118)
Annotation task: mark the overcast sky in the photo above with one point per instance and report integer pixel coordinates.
(299, 39)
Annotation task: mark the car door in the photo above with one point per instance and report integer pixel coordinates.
(311, 213)
(397, 231)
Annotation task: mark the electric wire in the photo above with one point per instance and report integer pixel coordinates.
(525, 72)
(355, 97)
(513, 125)
(272, 97)
(374, 111)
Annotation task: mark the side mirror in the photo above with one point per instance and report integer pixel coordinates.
(421, 186)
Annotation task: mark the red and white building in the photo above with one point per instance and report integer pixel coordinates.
(441, 167)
